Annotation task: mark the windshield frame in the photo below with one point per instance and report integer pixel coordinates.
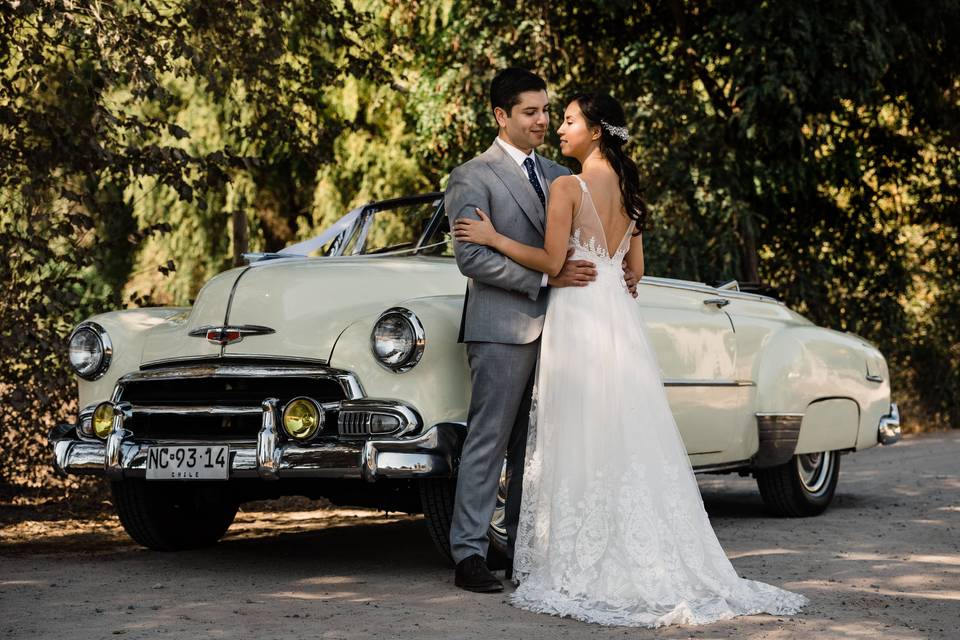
(361, 219)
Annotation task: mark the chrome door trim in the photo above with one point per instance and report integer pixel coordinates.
(708, 383)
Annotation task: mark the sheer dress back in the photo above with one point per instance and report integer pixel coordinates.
(612, 527)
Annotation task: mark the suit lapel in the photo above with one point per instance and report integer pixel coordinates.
(518, 186)
(548, 177)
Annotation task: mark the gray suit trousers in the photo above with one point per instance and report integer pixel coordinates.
(502, 377)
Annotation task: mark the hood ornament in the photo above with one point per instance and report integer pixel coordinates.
(229, 334)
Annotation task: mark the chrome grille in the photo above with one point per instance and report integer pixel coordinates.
(219, 402)
(354, 423)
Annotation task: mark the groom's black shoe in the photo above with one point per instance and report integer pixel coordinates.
(472, 574)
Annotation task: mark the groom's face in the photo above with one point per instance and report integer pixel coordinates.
(526, 124)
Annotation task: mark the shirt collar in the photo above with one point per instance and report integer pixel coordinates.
(517, 155)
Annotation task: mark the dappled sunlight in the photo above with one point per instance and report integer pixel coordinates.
(763, 552)
(887, 548)
(300, 595)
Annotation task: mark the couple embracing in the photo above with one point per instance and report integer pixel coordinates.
(604, 517)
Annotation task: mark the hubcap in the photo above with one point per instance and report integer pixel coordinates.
(814, 470)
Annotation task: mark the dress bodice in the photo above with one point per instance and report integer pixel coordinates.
(588, 236)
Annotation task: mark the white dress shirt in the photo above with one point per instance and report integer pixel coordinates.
(519, 156)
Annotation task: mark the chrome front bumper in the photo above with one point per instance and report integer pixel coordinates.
(432, 454)
(888, 429)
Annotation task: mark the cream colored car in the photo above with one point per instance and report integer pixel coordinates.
(340, 376)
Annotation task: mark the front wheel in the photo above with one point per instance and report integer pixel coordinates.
(437, 498)
(801, 487)
(171, 516)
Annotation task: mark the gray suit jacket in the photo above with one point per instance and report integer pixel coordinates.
(504, 301)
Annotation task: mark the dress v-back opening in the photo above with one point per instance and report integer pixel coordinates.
(595, 239)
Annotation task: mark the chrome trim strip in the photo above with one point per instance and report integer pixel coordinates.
(708, 383)
(775, 414)
(872, 377)
(233, 291)
(347, 380)
(154, 364)
(703, 288)
(181, 410)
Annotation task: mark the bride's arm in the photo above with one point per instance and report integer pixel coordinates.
(634, 257)
(564, 193)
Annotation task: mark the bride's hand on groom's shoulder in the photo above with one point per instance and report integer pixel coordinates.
(476, 231)
(575, 273)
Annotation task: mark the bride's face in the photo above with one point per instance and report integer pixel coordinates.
(577, 137)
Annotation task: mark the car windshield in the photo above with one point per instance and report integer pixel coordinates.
(395, 229)
(384, 228)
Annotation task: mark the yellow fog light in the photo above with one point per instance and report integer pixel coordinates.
(103, 420)
(302, 418)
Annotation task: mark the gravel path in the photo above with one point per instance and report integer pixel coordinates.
(884, 561)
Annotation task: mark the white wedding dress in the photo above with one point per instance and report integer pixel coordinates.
(612, 525)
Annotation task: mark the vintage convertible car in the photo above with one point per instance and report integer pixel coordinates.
(340, 375)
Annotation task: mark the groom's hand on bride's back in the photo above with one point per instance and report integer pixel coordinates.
(575, 273)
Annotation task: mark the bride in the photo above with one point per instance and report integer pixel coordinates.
(612, 525)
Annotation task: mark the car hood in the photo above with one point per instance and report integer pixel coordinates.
(307, 302)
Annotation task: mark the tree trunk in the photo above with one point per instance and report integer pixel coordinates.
(749, 261)
(241, 239)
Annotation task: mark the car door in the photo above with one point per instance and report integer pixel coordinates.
(696, 347)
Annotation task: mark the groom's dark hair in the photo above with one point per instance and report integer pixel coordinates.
(508, 84)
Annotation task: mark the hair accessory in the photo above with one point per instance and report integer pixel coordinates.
(615, 131)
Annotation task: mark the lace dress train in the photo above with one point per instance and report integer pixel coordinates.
(612, 525)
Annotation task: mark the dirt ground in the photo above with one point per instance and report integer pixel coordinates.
(883, 562)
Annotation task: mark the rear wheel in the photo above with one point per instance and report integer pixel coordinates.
(803, 486)
(171, 516)
(437, 499)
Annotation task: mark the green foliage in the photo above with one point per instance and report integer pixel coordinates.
(808, 147)
(119, 121)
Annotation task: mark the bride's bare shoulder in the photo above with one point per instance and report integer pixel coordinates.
(565, 186)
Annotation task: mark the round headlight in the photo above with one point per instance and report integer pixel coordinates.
(102, 421)
(302, 418)
(90, 350)
(398, 339)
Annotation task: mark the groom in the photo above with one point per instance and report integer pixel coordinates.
(503, 314)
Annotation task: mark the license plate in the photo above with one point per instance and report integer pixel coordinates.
(201, 462)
